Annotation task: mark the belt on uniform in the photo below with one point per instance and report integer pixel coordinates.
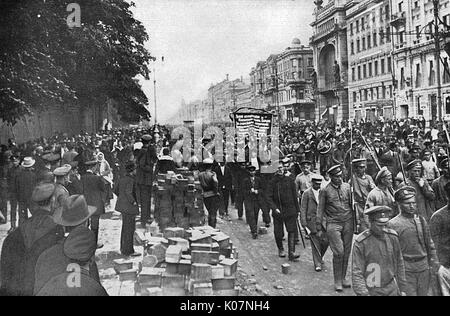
(414, 259)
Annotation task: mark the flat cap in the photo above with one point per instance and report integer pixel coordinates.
(384, 172)
(316, 177)
(146, 138)
(404, 193)
(303, 162)
(62, 171)
(414, 164)
(379, 213)
(43, 192)
(359, 161)
(335, 170)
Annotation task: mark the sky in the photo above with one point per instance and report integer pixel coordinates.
(204, 40)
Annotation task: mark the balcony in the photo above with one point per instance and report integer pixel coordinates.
(295, 80)
(398, 19)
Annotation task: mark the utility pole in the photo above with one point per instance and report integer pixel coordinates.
(437, 57)
(154, 93)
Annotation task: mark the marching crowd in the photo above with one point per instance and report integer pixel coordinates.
(386, 182)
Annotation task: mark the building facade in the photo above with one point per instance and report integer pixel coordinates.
(415, 61)
(329, 44)
(369, 39)
(283, 82)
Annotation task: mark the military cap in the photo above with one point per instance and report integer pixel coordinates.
(324, 148)
(62, 171)
(415, 147)
(379, 213)
(335, 170)
(399, 177)
(359, 161)
(305, 161)
(404, 193)
(376, 140)
(444, 164)
(43, 192)
(426, 152)
(414, 164)
(146, 138)
(384, 172)
(316, 177)
(286, 160)
(51, 157)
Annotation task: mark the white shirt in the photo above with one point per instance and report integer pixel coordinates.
(222, 168)
(316, 194)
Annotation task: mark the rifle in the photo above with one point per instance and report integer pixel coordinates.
(300, 233)
(352, 193)
(313, 243)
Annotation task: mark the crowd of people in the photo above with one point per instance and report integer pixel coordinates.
(386, 182)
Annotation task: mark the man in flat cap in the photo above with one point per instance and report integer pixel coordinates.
(381, 194)
(62, 179)
(285, 209)
(424, 193)
(145, 161)
(378, 268)
(362, 184)
(210, 186)
(336, 207)
(440, 232)
(439, 184)
(308, 215)
(418, 248)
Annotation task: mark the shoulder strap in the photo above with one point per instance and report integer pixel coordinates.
(363, 236)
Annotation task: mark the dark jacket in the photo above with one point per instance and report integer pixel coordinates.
(226, 179)
(75, 186)
(125, 190)
(21, 250)
(283, 196)
(12, 174)
(93, 190)
(25, 183)
(247, 187)
(165, 164)
(145, 161)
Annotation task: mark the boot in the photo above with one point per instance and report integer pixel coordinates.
(345, 282)
(337, 272)
(291, 244)
(281, 253)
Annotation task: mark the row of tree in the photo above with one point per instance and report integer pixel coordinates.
(43, 61)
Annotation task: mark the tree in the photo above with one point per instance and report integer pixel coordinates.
(43, 61)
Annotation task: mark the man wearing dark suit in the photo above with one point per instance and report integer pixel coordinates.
(252, 190)
(25, 183)
(225, 179)
(93, 190)
(308, 215)
(145, 161)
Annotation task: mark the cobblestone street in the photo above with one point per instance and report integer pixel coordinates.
(259, 269)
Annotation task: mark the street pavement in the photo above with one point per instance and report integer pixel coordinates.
(259, 267)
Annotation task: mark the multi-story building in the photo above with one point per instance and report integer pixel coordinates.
(283, 82)
(414, 59)
(329, 44)
(370, 86)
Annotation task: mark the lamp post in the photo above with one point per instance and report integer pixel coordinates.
(154, 85)
(437, 56)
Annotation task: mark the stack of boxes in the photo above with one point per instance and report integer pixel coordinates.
(198, 261)
(179, 200)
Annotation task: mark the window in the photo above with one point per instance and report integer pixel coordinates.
(381, 36)
(366, 95)
(431, 74)
(354, 96)
(352, 48)
(357, 26)
(375, 68)
(363, 43)
(400, 6)
(389, 65)
(419, 110)
(370, 69)
(381, 14)
(310, 62)
(359, 72)
(382, 66)
(353, 74)
(369, 42)
(388, 34)
(416, 4)
(418, 27)
(387, 12)
(364, 71)
(358, 45)
(383, 90)
(362, 24)
(375, 39)
(377, 89)
(402, 79)
(418, 76)
(351, 28)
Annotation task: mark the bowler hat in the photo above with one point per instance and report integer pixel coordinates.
(28, 162)
(73, 211)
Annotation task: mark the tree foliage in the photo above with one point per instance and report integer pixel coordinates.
(43, 61)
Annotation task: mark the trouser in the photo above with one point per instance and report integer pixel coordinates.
(239, 203)
(4, 198)
(340, 237)
(127, 234)
(94, 224)
(233, 195)
(278, 228)
(225, 197)
(212, 204)
(364, 219)
(417, 283)
(145, 200)
(252, 213)
(265, 209)
(322, 246)
(13, 213)
(23, 211)
(444, 280)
